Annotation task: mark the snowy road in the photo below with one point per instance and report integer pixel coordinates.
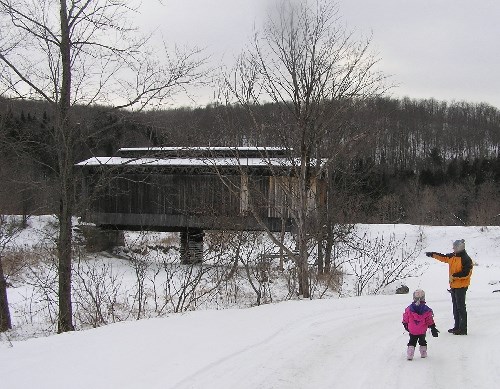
(360, 346)
(346, 343)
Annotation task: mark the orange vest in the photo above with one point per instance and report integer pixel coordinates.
(454, 266)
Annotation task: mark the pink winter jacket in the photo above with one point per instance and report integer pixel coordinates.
(419, 318)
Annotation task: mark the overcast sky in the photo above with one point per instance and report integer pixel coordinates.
(445, 49)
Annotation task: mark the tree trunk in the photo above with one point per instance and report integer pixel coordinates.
(65, 147)
(328, 250)
(5, 323)
(303, 268)
(302, 228)
(65, 322)
(321, 258)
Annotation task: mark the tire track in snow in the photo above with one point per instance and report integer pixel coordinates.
(325, 348)
(358, 346)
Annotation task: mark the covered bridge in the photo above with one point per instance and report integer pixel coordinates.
(190, 190)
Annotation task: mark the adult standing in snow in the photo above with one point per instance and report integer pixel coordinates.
(460, 271)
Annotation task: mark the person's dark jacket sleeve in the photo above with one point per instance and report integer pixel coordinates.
(434, 254)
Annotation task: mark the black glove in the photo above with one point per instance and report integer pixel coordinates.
(405, 325)
(434, 331)
(429, 253)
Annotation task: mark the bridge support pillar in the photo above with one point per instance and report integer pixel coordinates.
(191, 249)
(97, 239)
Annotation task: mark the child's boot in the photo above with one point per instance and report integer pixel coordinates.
(410, 352)
(423, 351)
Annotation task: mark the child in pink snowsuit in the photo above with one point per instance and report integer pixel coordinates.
(416, 319)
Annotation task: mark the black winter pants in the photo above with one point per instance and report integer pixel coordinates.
(420, 338)
(459, 308)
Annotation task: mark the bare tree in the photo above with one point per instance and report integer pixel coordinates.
(378, 263)
(97, 290)
(41, 276)
(80, 53)
(8, 231)
(312, 69)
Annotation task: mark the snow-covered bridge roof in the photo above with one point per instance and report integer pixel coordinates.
(196, 156)
(122, 161)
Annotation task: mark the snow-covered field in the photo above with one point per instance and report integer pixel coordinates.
(351, 342)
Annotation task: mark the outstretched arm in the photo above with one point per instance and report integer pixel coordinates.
(439, 256)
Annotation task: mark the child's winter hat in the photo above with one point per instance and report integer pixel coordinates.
(419, 296)
(459, 245)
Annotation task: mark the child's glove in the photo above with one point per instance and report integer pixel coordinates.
(434, 331)
(405, 325)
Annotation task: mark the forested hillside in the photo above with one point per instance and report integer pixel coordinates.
(421, 161)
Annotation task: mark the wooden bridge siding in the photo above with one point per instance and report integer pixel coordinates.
(154, 222)
(168, 201)
(280, 196)
(258, 187)
(170, 194)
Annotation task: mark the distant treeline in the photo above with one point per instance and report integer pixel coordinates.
(426, 161)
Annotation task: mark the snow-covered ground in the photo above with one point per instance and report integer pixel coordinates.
(352, 342)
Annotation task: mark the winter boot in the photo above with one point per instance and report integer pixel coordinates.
(410, 352)
(423, 351)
